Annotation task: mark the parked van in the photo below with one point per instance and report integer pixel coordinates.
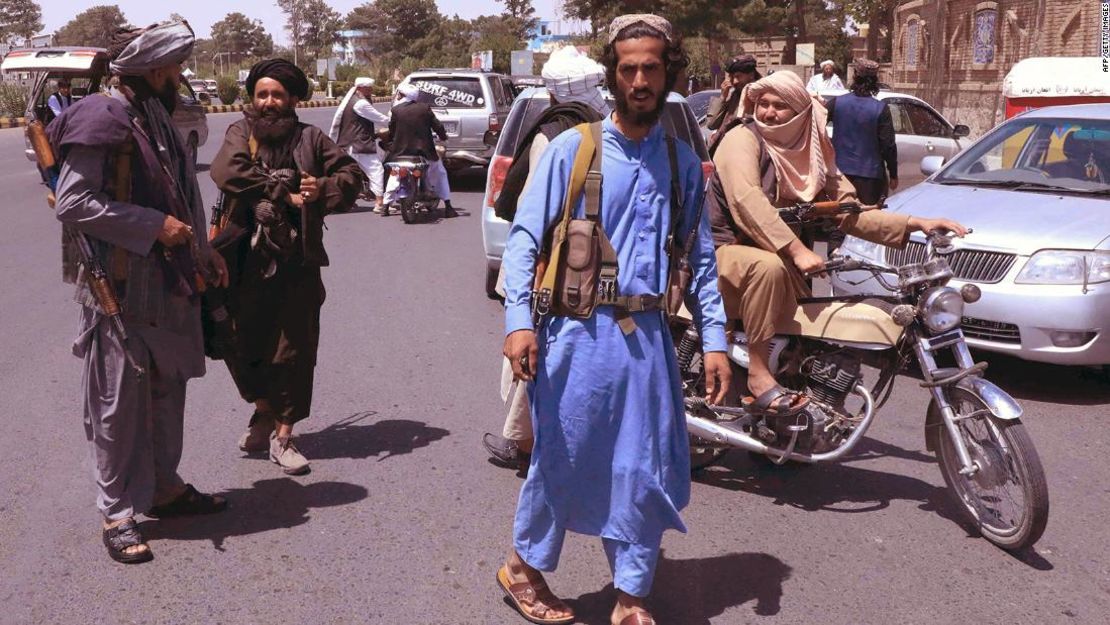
(469, 102)
(87, 71)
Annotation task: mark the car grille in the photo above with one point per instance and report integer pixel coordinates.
(994, 331)
(970, 265)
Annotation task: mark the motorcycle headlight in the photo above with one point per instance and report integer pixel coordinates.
(941, 309)
(1066, 267)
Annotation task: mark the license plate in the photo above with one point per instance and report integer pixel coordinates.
(452, 127)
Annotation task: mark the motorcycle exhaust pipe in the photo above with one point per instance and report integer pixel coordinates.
(718, 433)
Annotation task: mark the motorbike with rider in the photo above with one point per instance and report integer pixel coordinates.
(418, 178)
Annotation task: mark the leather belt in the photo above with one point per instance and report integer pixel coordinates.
(634, 303)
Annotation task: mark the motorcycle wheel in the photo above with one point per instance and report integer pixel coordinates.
(1007, 499)
(408, 211)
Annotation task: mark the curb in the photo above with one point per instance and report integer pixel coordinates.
(19, 122)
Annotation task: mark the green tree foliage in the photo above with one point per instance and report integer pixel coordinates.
(241, 37)
(498, 33)
(294, 11)
(92, 27)
(521, 17)
(227, 87)
(321, 29)
(879, 16)
(19, 18)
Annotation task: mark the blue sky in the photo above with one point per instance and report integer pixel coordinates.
(203, 13)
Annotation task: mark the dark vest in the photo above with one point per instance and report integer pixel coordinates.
(856, 135)
(355, 131)
(725, 229)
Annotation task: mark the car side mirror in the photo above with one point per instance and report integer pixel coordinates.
(931, 164)
(960, 131)
(490, 138)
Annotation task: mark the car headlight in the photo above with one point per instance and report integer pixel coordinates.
(941, 309)
(863, 249)
(1066, 267)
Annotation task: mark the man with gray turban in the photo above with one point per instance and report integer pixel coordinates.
(127, 182)
(573, 81)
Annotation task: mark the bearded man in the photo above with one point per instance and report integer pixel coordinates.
(611, 455)
(280, 178)
(126, 182)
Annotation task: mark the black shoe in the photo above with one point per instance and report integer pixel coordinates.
(449, 211)
(505, 453)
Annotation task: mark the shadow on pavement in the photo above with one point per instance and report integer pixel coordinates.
(869, 449)
(346, 439)
(694, 591)
(268, 505)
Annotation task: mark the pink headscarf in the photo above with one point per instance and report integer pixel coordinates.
(800, 149)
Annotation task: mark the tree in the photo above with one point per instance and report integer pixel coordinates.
(19, 18)
(92, 27)
(396, 29)
(239, 36)
(294, 22)
(499, 34)
(321, 28)
(879, 17)
(521, 17)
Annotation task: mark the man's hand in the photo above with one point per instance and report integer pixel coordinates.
(309, 191)
(929, 226)
(893, 184)
(718, 377)
(805, 259)
(296, 200)
(174, 232)
(217, 270)
(523, 352)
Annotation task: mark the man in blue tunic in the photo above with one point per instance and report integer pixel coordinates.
(611, 455)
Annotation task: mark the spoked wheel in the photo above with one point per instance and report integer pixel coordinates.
(408, 210)
(1007, 497)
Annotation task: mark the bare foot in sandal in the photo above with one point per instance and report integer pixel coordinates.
(630, 611)
(125, 543)
(529, 594)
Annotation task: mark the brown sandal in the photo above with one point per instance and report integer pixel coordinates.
(533, 599)
(638, 618)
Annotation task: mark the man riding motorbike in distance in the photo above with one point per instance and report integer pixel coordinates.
(781, 157)
(411, 124)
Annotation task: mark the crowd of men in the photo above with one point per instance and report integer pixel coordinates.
(599, 422)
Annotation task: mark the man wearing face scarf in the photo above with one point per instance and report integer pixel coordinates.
(779, 158)
(280, 178)
(127, 183)
(611, 455)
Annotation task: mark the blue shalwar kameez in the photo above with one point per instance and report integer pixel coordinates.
(611, 455)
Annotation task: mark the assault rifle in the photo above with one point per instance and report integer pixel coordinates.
(807, 212)
(99, 284)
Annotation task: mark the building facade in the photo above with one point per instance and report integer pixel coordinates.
(955, 53)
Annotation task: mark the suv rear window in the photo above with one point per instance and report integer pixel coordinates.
(450, 92)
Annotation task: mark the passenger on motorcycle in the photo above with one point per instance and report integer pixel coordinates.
(780, 158)
(411, 124)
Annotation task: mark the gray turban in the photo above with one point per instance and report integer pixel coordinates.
(137, 51)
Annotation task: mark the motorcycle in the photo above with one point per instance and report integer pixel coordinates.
(986, 456)
(413, 198)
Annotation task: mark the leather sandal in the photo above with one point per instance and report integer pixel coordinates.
(638, 618)
(188, 503)
(117, 539)
(534, 600)
(778, 401)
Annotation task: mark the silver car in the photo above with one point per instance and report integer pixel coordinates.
(470, 103)
(678, 121)
(1036, 191)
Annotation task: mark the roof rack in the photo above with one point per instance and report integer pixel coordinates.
(451, 69)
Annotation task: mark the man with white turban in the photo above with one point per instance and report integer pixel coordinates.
(411, 124)
(144, 232)
(573, 81)
(827, 80)
(354, 129)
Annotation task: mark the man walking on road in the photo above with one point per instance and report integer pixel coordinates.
(282, 178)
(127, 183)
(611, 454)
(863, 136)
(354, 130)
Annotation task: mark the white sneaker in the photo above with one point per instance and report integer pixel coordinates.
(257, 436)
(377, 209)
(286, 455)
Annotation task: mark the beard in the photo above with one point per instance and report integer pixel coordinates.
(273, 125)
(639, 118)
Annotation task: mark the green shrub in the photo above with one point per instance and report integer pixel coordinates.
(13, 100)
(339, 88)
(227, 87)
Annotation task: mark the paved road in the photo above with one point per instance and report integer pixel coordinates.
(403, 522)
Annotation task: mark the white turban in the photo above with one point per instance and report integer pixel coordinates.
(571, 76)
(408, 91)
(828, 62)
(169, 43)
(363, 81)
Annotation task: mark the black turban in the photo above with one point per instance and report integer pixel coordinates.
(290, 76)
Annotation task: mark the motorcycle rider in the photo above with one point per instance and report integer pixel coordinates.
(781, 157)
(411, 124)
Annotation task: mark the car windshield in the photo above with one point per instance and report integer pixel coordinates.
(678, 121)
(1035, 154)
(450, 92)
